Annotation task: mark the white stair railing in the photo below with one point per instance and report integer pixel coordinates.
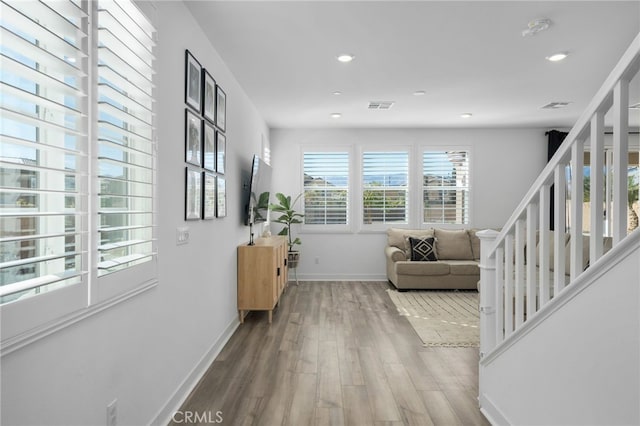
(526, 265)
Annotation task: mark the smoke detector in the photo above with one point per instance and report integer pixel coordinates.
(535, 26)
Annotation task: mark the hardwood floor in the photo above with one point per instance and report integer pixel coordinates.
(336, 354)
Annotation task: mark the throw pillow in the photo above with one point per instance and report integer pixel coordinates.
(423, 249)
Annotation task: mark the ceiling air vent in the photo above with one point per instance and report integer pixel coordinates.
(555, 105)
(380, 104)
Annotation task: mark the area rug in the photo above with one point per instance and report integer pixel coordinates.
(441, 318)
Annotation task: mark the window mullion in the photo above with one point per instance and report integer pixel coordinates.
(91, 201)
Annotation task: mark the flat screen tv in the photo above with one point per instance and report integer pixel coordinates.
(259, 191)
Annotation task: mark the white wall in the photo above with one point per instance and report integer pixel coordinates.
(146, 352)
(505, 162)
(579, 366)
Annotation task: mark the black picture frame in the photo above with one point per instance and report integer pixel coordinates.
(192, 82)
(208, 96)
(192, 138)
(221, 196)
(192, 194)
(209, 146)
(221, 152)
(221, 108)
(208, 195)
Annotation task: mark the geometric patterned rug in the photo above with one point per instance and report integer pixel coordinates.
(441, 318)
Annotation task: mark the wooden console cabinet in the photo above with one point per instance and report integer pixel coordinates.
(262, 275)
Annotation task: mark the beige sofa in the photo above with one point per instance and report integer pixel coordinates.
(458, 254)
(457, 251)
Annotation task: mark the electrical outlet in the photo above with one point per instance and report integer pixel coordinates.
(112, 413)
(182, 235)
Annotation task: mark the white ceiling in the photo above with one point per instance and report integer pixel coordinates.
(468, 56)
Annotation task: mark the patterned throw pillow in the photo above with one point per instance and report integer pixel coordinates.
(423, 249)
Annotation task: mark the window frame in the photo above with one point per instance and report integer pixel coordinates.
(329, 228)
(29, 319)
(409, 210)
(420, 172)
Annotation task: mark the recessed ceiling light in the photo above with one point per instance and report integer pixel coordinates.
(466, 115)
(345, 57)
(337, 93)
(557, 56)
(419, 93)
(336, 115)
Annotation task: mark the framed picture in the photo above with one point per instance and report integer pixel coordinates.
(193, 194)
(208, 96)
(221, 148)
(208, 196)
(209, 151)
(192, 138)
(192, 91)
(221, 197)
(221, 108)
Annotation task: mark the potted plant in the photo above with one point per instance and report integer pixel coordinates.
(288, 216)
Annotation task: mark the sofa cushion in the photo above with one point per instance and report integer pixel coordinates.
(475, 242)
(453, 244)
(422, 268)
(607, 243)
(398, 237)
(464, 267)
(422, 249)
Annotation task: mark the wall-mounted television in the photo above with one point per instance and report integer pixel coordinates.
(257, 209)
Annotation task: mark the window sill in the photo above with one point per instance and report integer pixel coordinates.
(15, 343)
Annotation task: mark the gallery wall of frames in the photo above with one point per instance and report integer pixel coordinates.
(205, 143)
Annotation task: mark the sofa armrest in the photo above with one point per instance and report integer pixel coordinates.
(394, 253)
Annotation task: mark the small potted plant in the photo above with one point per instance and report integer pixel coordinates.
(288, 216)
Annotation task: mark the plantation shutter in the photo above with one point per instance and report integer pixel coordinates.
(125, 137)
(445, 177)
(326, 188)
(385, 178)
(43, 209)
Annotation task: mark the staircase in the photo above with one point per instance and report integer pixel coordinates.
(560, 310)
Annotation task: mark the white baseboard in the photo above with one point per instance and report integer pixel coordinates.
(189, 383)
(338, 277)
(491, 412)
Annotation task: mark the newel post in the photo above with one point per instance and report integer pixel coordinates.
(487, 291)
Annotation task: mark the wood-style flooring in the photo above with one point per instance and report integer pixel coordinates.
(337, 353)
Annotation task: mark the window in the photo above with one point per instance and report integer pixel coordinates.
(125, 137)
(445, 187)
(326, 188)
(73, 207)
(385, 187)
(633, 185)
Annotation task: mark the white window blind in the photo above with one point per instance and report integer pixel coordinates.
(326, 188)
(77, 177)
(445, 177)
(43, 243)
(125, 137)
(385, 187)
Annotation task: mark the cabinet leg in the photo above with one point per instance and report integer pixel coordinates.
(270, 316)
(241, 313)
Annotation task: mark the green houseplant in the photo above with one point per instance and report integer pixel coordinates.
(288, 216)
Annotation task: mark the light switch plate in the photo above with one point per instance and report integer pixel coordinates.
(182, 235)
